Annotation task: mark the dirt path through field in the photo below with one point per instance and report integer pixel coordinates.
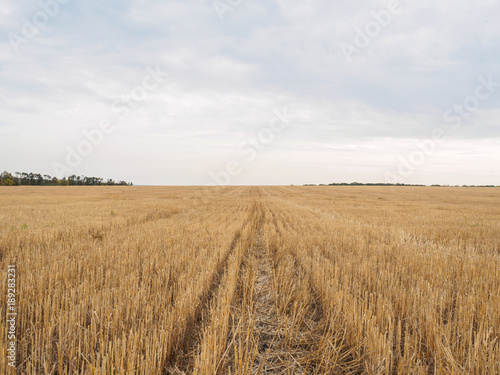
(274, 322)
(285, 340)
(267, 325)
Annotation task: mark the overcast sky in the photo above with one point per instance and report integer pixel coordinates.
(252, 91)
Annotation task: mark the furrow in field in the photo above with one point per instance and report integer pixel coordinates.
(212, 351)
(183, 358)
(279, 325)
(324, 347)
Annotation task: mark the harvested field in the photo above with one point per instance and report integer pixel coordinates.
(252, 280)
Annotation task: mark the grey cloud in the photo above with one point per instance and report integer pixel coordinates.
(227, 77)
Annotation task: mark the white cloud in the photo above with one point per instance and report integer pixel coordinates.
(226, 78)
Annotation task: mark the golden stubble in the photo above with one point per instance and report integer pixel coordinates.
(245, 280)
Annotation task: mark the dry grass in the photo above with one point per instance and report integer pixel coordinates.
(247, 280)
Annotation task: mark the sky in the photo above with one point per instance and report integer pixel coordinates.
(248, 92)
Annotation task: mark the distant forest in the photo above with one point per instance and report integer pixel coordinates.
(388, 184)
(22, 178)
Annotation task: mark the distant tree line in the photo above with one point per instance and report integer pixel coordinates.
(389, 184)
(361, 184)
(369, 184)
(23, 178)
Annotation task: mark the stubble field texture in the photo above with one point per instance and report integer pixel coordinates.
(252, 280)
